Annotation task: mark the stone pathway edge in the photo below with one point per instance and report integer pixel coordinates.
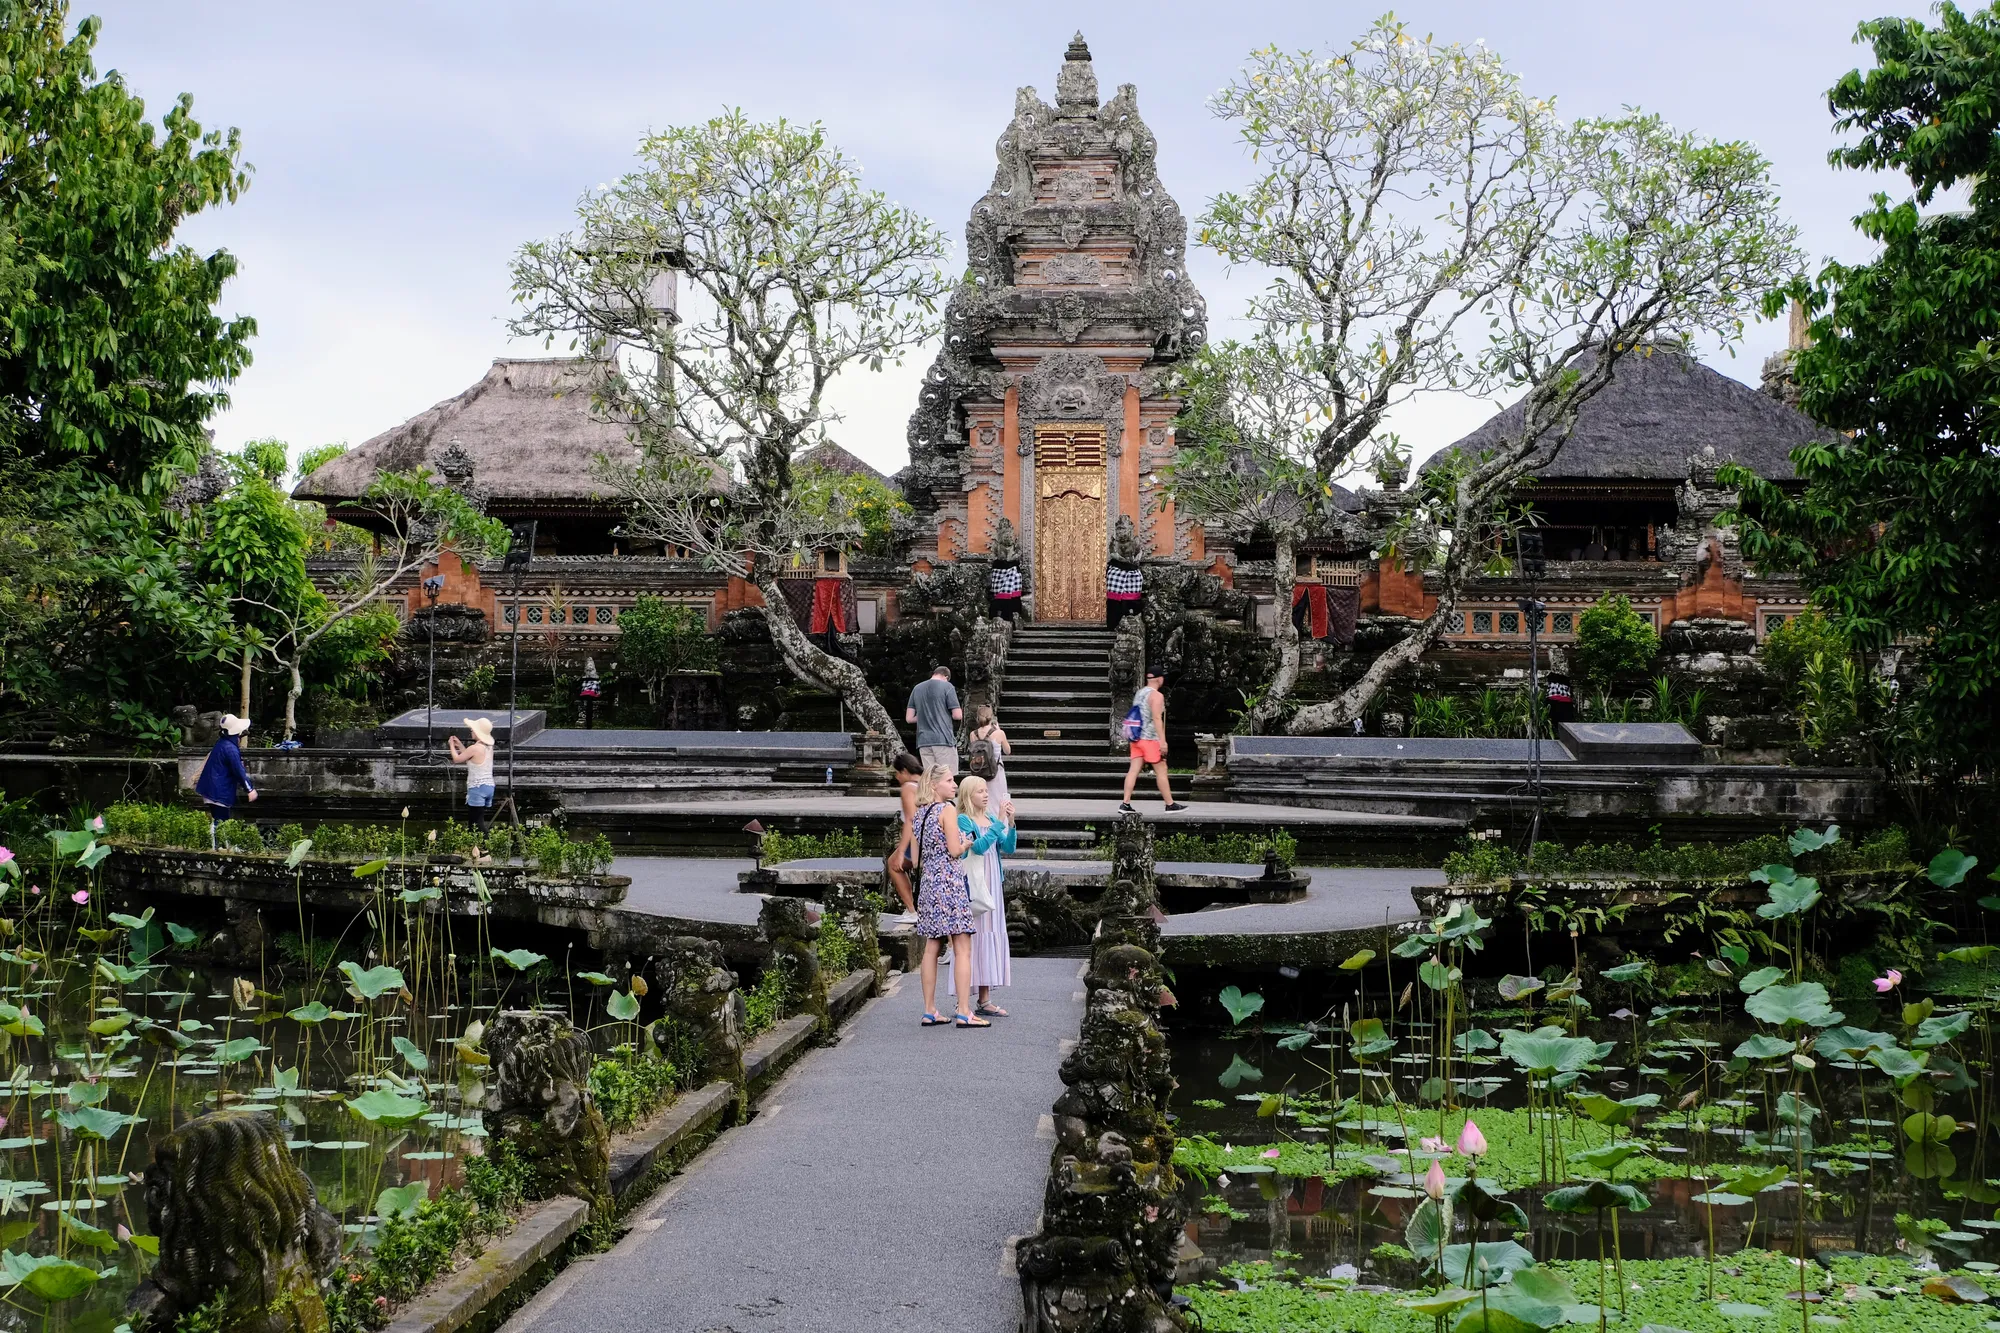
(496, 1275)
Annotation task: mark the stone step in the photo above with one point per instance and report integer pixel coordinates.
(1036, 692)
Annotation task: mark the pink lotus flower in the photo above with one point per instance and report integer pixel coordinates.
(6, 855)
(1434, 1182)
(123, 1232)
(97, 824)
(1888, 983)
(1268, 1152)
(1470, 1141)
(80, 897)
(34, 888)
(1435, 1145)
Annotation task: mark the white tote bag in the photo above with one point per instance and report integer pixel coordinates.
(975, 883)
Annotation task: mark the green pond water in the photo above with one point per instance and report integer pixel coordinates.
(374, 1094)
(1303, 1167)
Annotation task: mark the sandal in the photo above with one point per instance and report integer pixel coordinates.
(990, 1011)
(969, 1021)
(932, 1019)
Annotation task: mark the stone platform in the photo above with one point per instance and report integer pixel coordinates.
(1185, 886)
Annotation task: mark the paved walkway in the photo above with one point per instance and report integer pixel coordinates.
(872, 1192)
(1030, 809)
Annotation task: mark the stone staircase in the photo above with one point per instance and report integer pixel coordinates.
(1056, 706)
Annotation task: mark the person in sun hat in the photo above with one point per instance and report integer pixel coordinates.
(224, 773)
(478, 760)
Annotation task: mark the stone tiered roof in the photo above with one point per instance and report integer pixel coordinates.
(1659, 411)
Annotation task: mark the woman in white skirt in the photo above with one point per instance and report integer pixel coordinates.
(990, 833)
(986, 734)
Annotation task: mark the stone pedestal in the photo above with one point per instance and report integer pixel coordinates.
(859, 921)
(538, 1103)
(703, 1005)
(792, 927)
(236, 1219)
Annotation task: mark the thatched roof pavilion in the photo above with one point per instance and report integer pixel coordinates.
(532, 438)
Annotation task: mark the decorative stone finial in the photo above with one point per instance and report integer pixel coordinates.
(238, 1220)
(1076, 82)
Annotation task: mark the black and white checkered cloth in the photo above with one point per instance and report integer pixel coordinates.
(1123, 580)
(1005, 580)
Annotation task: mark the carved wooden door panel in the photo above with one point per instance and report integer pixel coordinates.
(1069, 524)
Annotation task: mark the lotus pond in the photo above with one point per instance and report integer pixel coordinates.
(1482, 1151)
(365, 1047)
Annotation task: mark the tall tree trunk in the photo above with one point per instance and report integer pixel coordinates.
(292, 693)
(243, 686)
(816, 667)
(1344, 708)
(1284, 576)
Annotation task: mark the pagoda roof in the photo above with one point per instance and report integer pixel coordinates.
(833, 458)
(1661, 409)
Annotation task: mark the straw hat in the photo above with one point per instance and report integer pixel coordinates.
(233, 725)
(481, 729)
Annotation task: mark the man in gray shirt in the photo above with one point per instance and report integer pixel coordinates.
(934, 708)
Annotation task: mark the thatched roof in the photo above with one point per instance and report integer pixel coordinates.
(1657, 412)
(833, 458)
(528, 428)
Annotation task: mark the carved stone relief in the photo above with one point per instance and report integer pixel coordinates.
(1071, 385)
(1072, 270)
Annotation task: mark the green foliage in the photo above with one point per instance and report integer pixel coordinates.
(875, 505)
(1482, 859)
(410, 1250)
(834, 949)
(239, 835)
(627, 1088)
(157, 825)
(657, 639)
(1894, 529)
(1232, 847)
(777, 847)
(555, 854)
(1613, 642)
(766, 1002)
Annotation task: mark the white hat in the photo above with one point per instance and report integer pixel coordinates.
(481, 729)
(234, 725)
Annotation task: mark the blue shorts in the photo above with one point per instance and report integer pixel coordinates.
(481, 796)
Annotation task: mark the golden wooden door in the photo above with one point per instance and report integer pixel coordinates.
(1069, 524)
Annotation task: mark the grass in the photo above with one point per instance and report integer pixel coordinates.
(1671, 1293)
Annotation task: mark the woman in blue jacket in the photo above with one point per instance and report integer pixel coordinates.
(223, 773)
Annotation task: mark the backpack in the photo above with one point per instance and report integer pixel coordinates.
(983, 759)
(1135, 723)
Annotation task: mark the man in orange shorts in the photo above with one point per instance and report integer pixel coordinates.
(1150, 746)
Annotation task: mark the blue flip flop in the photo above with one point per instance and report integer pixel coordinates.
(933, 1019)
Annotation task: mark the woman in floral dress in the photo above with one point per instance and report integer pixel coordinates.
(944, 903)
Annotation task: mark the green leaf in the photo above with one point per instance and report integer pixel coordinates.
(1608, 1156)
(413, 1054)
(300, 850)
(1514, 987)
(1781, 1006)
(1758, 980)
(183, 936)
(94, 857)
(1764, 1047)
(1896, 1062)
(1547, 1052)
(622, 1005)
(380, 1106)
(375, 982)
(1436, 975)
(242, 1048)
(130, 922)
(1354, 962)
(94, 1122)
(112, 1024)
(1805, 840)
(367, 868)
(48, 1277)
(1741, 1310)
(597, 978)
(310, 1014)
(1950, 866)
(1938, 1031)
(1850, 1043)
(1495, 1262)
(1971, 953)
(520, 959)
(1925, 1127)
(1596, 1194)
(1438, 1303)
(1239, 1005)
(1790, 898)
(1239, 1070)
(402, 1200)
(97, 1238)
(1428, 1228)
(1626, 971)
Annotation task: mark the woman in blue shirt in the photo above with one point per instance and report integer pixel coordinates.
(988, 833)
(224, 773)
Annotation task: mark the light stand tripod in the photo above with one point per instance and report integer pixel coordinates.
(432, 587)
(1533, 567)
(520, 553)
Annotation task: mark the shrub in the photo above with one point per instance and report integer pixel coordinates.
(1614, 641)
(765, 1003)
(157, 825)
(629, 1088)
(777, 846)
(1484, 858)
(1792, 646)
(239, 835)
(835, 950)
(1232, 847)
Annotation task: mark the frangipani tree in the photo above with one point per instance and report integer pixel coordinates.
(798, 272)
(1427, 226)
(417, 519)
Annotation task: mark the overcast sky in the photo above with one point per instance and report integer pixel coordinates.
(402, 151)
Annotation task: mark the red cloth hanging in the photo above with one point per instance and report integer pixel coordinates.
(1315, 597)
(829, 604)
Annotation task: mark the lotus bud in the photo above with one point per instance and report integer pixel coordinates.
(1471, 1142)
(1434, 1182)
(639, 987)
